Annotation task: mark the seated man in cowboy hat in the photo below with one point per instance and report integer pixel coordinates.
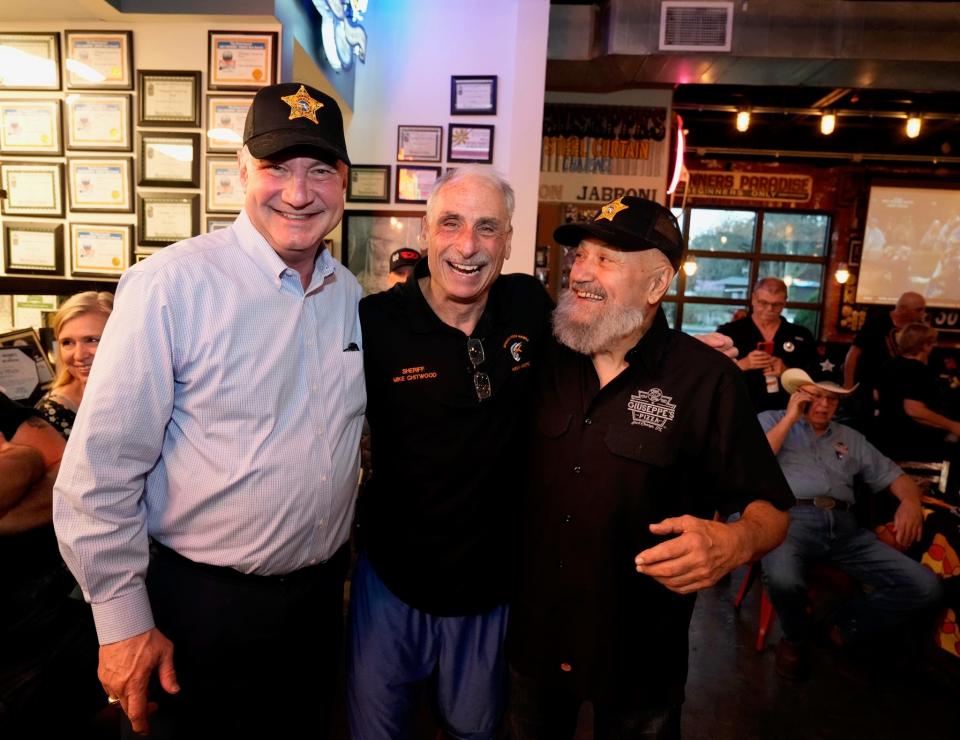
(820, 459)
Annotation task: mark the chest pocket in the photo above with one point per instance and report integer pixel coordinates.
(656, 449)
(553, 424)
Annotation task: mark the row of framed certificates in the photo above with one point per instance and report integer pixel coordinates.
(466, 142)
(103, 122)
(103, 60)
(105, 185)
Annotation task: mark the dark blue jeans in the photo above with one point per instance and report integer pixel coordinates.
(898, 585)
(539, 711)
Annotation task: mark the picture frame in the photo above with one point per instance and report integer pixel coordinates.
(99, 122)
(168, 98)
(32, 248)
(32, 189)
(369, 183)
(98, 60)
(215, 223)
(241, 60)
(25, 370)
(470, 142)
(856, 249)
(100, 184)
(141, 256)
(100, 249)
(226, 116)
(223, 186)
(31, 127)
(40, 56)
(419, 143)
(370, 237)
(165, 218)
(414, 183)
(169, 159)
(473, 95)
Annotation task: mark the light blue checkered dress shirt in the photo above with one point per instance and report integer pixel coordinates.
(222, 417)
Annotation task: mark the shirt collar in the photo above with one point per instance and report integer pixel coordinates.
(650, 348)
(259, 250)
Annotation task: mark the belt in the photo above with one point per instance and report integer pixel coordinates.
(825, 502)
(337, 562)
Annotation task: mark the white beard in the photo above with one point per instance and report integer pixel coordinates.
(594, 331)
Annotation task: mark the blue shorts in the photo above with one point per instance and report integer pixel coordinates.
(394, 647)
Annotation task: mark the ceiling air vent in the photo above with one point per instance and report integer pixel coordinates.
(695, 26)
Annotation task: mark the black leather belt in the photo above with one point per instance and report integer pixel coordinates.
(825, 502)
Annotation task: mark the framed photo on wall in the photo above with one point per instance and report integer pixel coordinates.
(215, 223)
(473, 95)
(99, 122)
(419, 143)
(224, 189)
(99, 60)
(369, 183)
(101, 185)
(240, 60)
(32, 189)
(169, 160)
(370, 237)
(100, 249)
(414, 183)
(470, 143)
(25, 370)
(165, 218)
(30, 127)
(226, 116)
(35, 61)
(169, 98)
(31, 248)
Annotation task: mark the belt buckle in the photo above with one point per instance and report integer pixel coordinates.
(824, 502)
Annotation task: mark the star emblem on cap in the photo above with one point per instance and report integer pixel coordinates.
(302, 105)
(611, 209)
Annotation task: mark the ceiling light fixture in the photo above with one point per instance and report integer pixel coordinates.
(828, 122)
(690, 266)
(842, 273)
(913, 126)
(743, 120)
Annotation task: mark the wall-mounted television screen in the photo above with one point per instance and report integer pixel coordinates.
(911, 242)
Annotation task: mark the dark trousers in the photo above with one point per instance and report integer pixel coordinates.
(540, 710)
(256, 656)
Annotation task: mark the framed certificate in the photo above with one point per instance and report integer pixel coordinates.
(25, 370)
(32, 61)
(99, 122)
(419, 143)
(473, 95)
(414, 183)
(30, 127)
(99, 60)
(470, 143)
(32, 188)
(100, 249)
(169, 98)
(101, 185)
(224, 189)
(369, 183)
(226, 117)
(237, 60)
(166, 218)
(215, 223)
(169, 160)
(32, 248)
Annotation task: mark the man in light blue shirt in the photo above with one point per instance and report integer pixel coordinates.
(207, 493)
(819, 459)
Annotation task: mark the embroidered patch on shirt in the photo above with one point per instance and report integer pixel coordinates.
(516, 345)
(841, 449)
(651, 409)
(409, 374)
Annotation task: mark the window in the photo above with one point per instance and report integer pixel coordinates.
(735, 248)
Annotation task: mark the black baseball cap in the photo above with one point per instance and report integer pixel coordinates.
(631, 224)
(292, 115)
(404, 257)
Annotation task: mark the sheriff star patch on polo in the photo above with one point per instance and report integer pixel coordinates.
(611, 209)
(302, 105)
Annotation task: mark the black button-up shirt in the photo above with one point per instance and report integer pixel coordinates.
(439, 514)
(673, 434)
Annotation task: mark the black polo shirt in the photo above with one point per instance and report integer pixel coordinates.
(794, 344)
(673, 434)
(898, 435)
(448, 469)
(877, 343)
(12, 415)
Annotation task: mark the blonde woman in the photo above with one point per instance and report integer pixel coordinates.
(77, 327)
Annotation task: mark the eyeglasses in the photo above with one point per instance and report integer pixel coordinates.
(767, 304)
(481, 381)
